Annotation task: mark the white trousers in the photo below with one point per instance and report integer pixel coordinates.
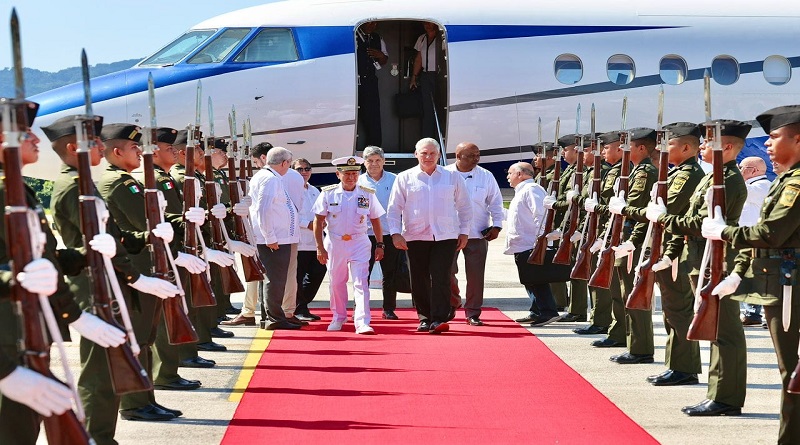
(347, 258)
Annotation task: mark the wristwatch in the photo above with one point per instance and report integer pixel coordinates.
(380, 246)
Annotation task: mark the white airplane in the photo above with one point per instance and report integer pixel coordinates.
(291, 67)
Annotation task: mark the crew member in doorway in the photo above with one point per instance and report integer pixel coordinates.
(426, 67)
(371, 55)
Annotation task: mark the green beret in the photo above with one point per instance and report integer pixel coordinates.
(128, 132)
(166, 134)
(640, 133)
(181, 138)
(680, 129)
(31, 107)
(65, 126)
(609, 137)
(548, 147)
(731, 127)
(779, 117)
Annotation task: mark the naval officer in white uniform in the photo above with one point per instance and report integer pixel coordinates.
(347, 208)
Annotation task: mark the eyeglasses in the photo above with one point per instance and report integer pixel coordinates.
(303, 169)
(745, 167)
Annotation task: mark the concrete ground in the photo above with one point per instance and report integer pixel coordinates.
(208, 410)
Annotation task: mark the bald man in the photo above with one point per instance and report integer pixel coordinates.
(754, 172)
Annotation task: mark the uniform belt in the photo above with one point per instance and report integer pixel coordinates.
(347, 236)
(775, 253)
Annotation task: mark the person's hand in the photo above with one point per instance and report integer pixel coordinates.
(164, 231)
(713, 226)
(623, 249)
(555, 235)
(41, 394)
(220, 258)
(241, 209)
(577, 236)
(241, 248)
(191, 263)
(39, 277)
(655, 210)
(104, 244)
(548, 202)
(598, 244)
(246, 200)
(462, 242)
(492, 234)
(590, 204)
(195, 215)
(155, 286)
(616, 204)
(412, 84)
(379, 251)
(727, 286)
(399, 242)
(664, 263)
(322, 255)
(94, 329)
(273, 247)
(219, 211)
(571, 194)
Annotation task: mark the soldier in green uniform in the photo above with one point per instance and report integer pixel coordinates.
(727, 372)
(639, 323)
(769, 250)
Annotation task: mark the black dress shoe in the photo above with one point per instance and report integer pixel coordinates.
(572, 318)
(437, 327)
(591, 330)
(545, 320)
(652, 378)
(232, 310)
(179, 385)
(390, 315)
(313, 317)
(675, 378)
(303, 317)
(607, 343)
(452, 314)
(211, 346)
(148, 413)
(283, 325)
(683, 410)
(297, 321)
(174, 412)
(220, 333)
(632, 359)
(223, 318)
(527, 319)
(474, 321)
(197, 362)
(712, 408)
(424, 326)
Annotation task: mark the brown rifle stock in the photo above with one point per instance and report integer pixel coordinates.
(252, 267)
(582, 269)
(539, 250)
(564, 253)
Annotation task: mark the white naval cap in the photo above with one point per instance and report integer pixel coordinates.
(348, 163)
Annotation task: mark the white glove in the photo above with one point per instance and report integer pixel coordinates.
(39, 277)
(664, 263)
(104, 244)
(164, 231)
(598, 244)
(555, 235)
(42, 394)
(155, 286)
(655, 210)
(191, 263)
(549, 201)
(616, 204)
(712, 227)
(220, 258)
(571, 194)
(653, 191)
(623, 249)
(246, 200)
(577, 236)
(219, 211)
(727, 286)
(195, 215)
(590, 204)
(241, 209)
(241, 248)
(98, 331)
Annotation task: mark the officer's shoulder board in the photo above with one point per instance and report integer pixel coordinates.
(366, 189)
(790, 192)
(329, 187)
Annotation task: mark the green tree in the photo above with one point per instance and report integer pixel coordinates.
(43, 189)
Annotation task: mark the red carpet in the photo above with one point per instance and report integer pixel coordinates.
(496, 384)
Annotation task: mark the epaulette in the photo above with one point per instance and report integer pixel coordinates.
(366, 189)
(329, 187)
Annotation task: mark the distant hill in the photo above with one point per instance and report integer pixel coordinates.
(37, 81)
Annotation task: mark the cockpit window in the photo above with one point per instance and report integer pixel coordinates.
(179, 48)
(270, 45)
(221, 46)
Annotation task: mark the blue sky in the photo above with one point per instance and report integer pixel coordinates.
(54, 31)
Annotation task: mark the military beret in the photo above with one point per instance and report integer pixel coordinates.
(65, 126)
(567, 140)
(31, 107)
(128, 132)
(642, 133)
(731, 127)
(680, 129)
(181, 138)
(779, 117)
(587, 139)
(548, 146)
(609, 137)
(166, 134)
(220, 143)
(348, 163)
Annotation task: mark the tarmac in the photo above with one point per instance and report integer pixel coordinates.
(208, 410)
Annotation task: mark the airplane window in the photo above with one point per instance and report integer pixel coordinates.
(270, 45)
(568, 69)
(777, 70)
(221, 46)
(673, 69)
(621, 69)
(725, 70)
(179, 48)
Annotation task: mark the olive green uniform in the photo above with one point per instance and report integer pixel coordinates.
(764, 246)
(601, 298)
(224, 300)
(578, 290)
(727, 373)
(559, 289)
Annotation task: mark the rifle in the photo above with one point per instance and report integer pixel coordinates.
(564, 253)
(539, 250)
(22, 230)
(179, 328)
(582, 269)
(252, 267)
(127, 373)
(705, 324)
(230, 279)
(641, 297)
(605, 264)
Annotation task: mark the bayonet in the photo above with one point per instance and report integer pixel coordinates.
(540, 131)
(660, 108)
(198, 105)
(232, 118)
(707, 94)
(558, 127)
(210, 119)
(624, 112)
(87, 91)
(592, 125)
(16, 50)
(151, 100)
(578, 121)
